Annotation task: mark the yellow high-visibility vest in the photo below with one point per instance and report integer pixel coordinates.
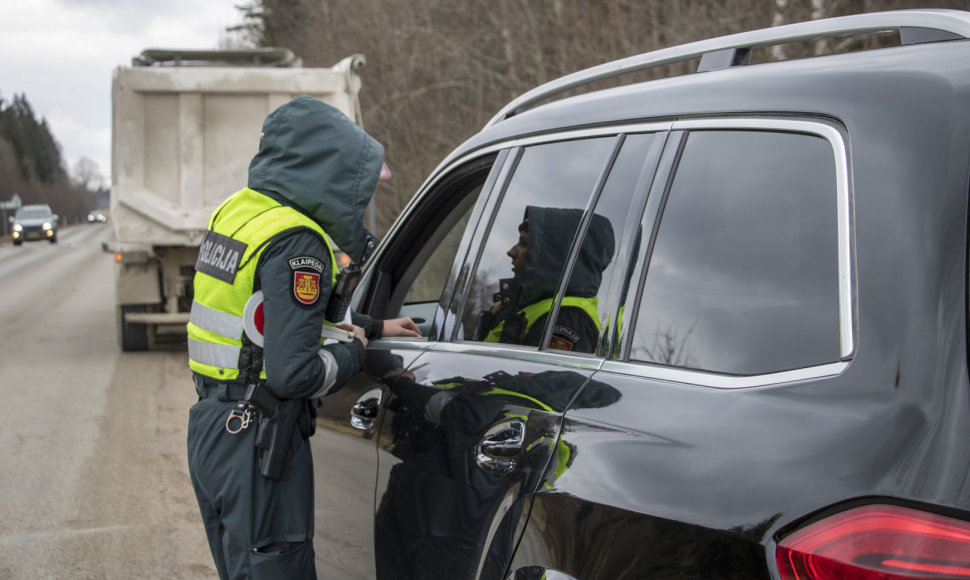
(250, 221)
(534, 312)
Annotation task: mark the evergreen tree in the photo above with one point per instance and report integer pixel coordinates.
(37, 153)
(31, 164)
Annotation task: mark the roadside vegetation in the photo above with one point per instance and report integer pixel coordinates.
(437, 70)
(31, 165)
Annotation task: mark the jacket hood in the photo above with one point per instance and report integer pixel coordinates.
(315, 158)
(551, 234)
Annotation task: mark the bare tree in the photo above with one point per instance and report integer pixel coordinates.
(438, 70)
(87, 174)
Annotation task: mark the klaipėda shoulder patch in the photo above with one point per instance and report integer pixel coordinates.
(563, 338)
(306, 279)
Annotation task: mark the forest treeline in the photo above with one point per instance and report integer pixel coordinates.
(31, 165)
(437, 70)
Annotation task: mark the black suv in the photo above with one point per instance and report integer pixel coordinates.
(34, 222)
(708, 326)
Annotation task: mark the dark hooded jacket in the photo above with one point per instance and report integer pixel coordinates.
(315, 159)
(551, 235)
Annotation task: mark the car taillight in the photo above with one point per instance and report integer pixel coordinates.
(877, 542)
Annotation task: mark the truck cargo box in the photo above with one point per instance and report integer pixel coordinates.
(185, 124)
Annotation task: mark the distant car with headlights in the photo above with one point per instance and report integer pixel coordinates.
(34, 222)
(96, 217)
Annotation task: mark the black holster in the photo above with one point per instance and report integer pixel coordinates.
(486, 322)
(277, 419)
(508, 300)
(514, 330)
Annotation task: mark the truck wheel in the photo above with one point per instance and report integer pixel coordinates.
(54, 240)
(133, 337)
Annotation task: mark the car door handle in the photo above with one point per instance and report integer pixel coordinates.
(501, 445)
(364, 412)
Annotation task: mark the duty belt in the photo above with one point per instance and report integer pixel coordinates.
(227, 392)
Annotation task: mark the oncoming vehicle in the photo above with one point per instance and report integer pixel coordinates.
(711, 326)
(34, 222)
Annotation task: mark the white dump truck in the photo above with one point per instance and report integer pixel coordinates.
(185, 125)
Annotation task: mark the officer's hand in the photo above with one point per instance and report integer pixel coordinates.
(400, 327)
(392, 374)
(358, 332)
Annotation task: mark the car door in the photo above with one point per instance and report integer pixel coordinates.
(471, 426)
(732, 416)
(406, 276)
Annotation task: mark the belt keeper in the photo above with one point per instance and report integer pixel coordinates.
(223, 392)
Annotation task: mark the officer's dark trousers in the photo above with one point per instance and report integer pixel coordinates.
(257, 528)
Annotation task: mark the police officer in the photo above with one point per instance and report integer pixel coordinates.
(311, 180)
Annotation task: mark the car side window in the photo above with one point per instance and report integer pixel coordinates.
(434, 272)
(743, 277)
(585, 313)
(414, 274)
(523, 258)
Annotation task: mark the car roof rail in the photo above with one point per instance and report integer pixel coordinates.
(914, 27)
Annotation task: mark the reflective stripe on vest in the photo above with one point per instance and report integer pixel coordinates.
(214, 355)
(534, 312)
(216, 321)
(212, 320)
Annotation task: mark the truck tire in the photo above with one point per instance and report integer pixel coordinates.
(132, 337)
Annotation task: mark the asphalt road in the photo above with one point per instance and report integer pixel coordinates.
(93, 476)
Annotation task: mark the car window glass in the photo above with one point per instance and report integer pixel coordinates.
(422, 256)
(743, 278)
(433, 274)
(523, 258)
(583, 315)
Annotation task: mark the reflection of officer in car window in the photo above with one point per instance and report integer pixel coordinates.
(443, 512)
(523, 302)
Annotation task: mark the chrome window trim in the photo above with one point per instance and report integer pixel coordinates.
(400, 342)
(605, 131)
(837, 141)
(449, 164)
(707, 379)
(520, 353)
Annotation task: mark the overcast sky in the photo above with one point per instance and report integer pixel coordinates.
(61, 54)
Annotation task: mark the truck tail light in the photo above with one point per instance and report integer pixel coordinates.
(878, 542)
